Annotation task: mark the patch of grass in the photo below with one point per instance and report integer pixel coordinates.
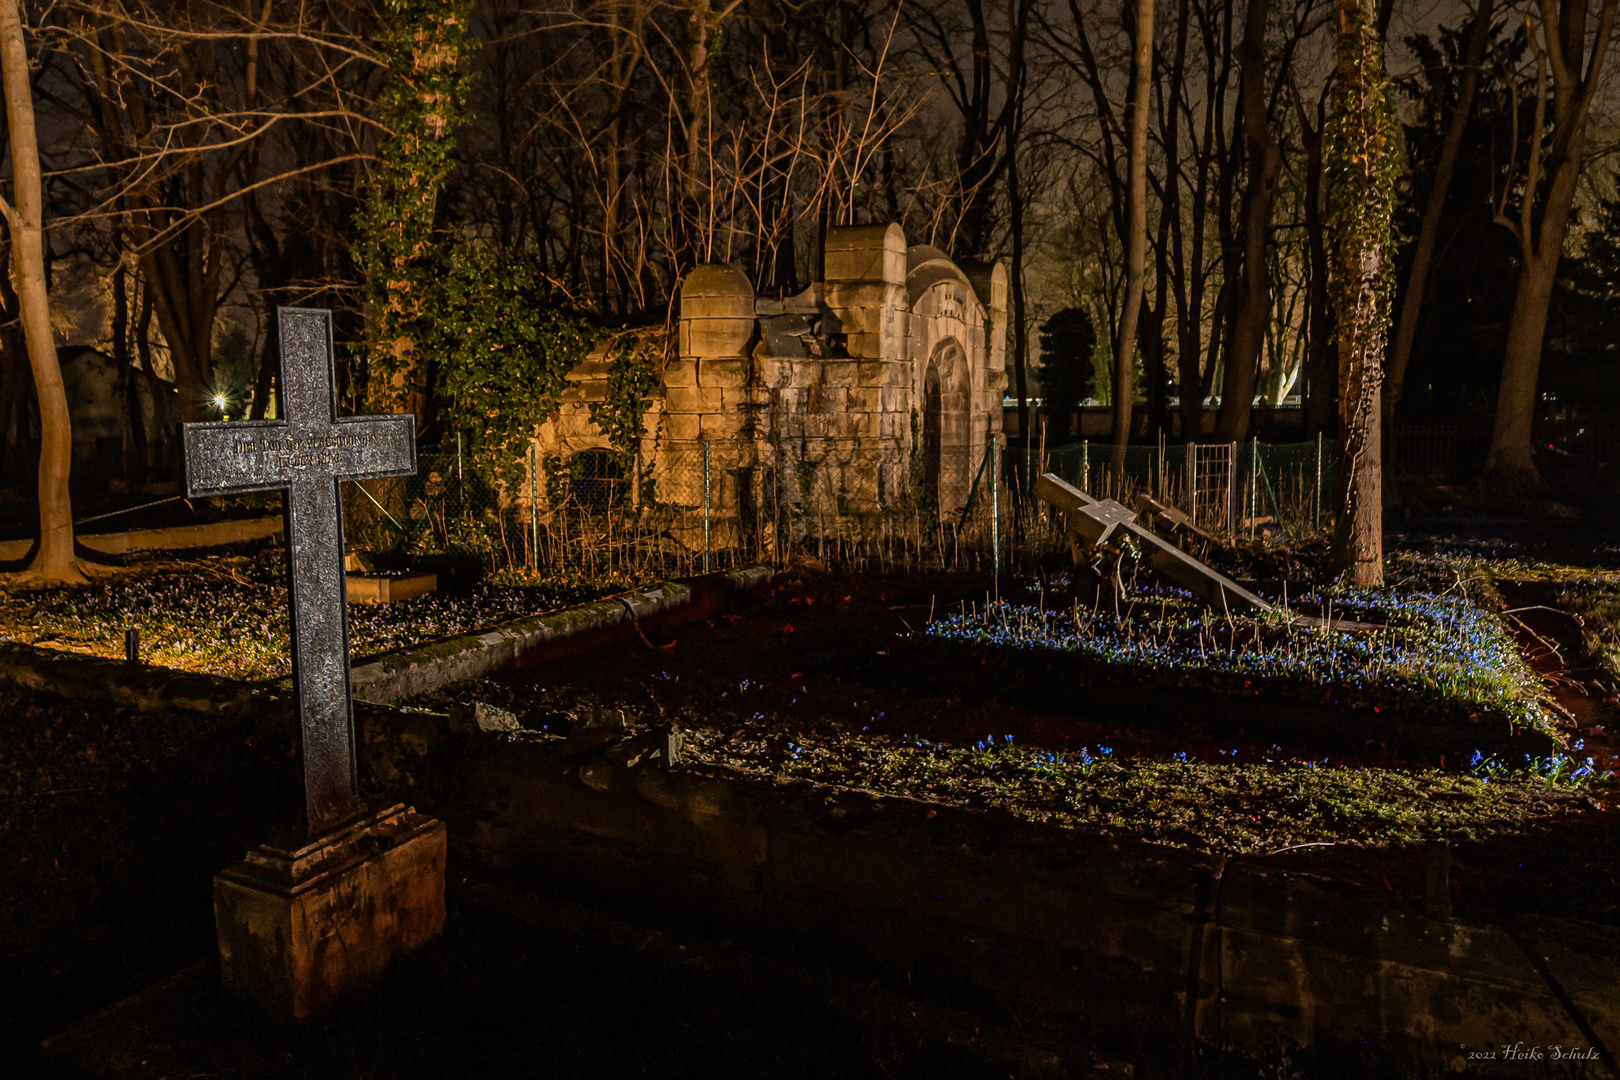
(1229, 808)
(1591, 595)
(227, 615)
(1595, 600)
(1432, 654)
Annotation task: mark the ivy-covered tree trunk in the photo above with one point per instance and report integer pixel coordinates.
(1360, 170)
(423, 102)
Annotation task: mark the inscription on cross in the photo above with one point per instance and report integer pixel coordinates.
(308, 454)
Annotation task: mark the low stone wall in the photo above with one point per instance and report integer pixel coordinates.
(1164, 938)
(393, 677)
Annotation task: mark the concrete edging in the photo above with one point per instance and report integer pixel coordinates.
(392, 677)
(383, 680)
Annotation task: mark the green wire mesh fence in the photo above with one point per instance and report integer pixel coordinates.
(1223, 487)
(713, 506)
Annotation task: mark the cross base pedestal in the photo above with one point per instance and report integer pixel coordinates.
(301, 921)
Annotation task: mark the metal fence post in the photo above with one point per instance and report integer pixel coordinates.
(1316, 519)
(534, 508)
(1254, 478)
(1164, 465)
(1190, 467)
(1085, 466)
(995, 507)
(461, 477)
(1232, 490)
(705, 506)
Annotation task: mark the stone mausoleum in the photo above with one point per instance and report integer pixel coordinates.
(874, 392)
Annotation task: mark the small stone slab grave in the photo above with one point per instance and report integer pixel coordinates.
(365, 584)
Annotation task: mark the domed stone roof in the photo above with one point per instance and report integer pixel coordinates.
(717, 279)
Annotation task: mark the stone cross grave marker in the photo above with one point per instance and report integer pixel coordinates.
(1096, 521)
(307, 454)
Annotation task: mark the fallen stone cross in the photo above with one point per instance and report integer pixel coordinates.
(1092, 522)
(324, 909)
(1169, 520)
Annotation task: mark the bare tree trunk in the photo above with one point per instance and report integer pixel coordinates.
(1254, 294)
(54, 561)
(1321, 365)
(1361, 154)
(1020, 338)
(135, 437)
(1541, 229)
(1136, 224)
(1417, 278)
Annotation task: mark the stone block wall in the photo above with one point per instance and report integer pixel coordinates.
(820, 414)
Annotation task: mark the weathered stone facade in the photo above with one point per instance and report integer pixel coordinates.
(875, 389)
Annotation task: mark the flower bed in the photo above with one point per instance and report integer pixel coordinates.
(227, 614)
(1434, 656)
(1233, 808)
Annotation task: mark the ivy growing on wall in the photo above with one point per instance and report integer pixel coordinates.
(423, 101)
(506, 339)
(636, 358)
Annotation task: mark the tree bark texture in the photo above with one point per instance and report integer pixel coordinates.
(54, 560)
(1020, 305)
(1360, 172)
(1135, 223)
(1321, 363)
(1549, 195)
(1254, 291)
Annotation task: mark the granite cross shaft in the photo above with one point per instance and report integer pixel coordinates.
(307, 454)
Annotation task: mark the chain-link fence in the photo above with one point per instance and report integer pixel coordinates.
(709, 506)
(691, 508)
(1221, 487)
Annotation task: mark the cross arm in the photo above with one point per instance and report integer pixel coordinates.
(376, 446)
(242, 456)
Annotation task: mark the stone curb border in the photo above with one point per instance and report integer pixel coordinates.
(1247, 956)
(179, 537)
(392, 677)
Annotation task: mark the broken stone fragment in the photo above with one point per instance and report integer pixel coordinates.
(661, 744)
(594, 729)
(483, 717)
